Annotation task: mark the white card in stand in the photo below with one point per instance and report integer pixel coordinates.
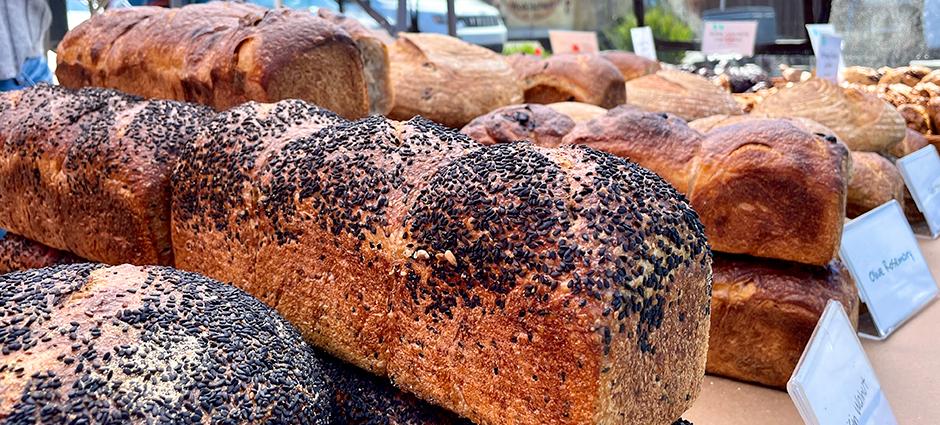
(834, 384)
(883, 256)
(643, 44)
(828, 57)
(735, 37)
(921, 171)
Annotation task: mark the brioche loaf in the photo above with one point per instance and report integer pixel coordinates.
(537, 123)
(85, 343)
(873, 181)
(88, 171)
(571, 78)
(19, 253)
(448, 80)
(684, 94)
(512, 284)
(763, 187)
(219, 54)
(862, 121)
(578, 111)
(629, 64)
(374, 55)
(764, 312)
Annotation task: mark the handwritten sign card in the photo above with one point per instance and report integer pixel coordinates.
(834, 383)
(573, 41)
(828, 57)
(881, 253)
(643, 44)
(729, 37)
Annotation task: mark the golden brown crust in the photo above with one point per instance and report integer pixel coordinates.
(874, 180)
(916, 117)
(661, 142)
(763, 313)
(913, 141)
(629, 64)
(770, 189)
(448, 80)
(860, 75)
(577, 111)
(19, 253)
(571, 78)
(536, 123)
(862, 121)
(684, 94)
(219, 54)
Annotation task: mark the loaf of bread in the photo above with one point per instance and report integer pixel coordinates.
(860, 75)
(684, 94)
(19, 253)
(572, 78)
(511, 284)
(533, 122)
(873, 181)
(862, 121)
(448, 80)
(219, 54)
(629, 64)
(764, 312)
(85, 343)
(916, 117)
(707, 124)
(762, 187)
(577, 111)
(912, 142)
(374, 55)
(88, 171)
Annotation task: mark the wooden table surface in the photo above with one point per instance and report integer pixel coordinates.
(907, 365)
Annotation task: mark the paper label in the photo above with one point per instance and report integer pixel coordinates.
(881, 253)
(815, 31)
(921, 171)
(828, 57)
(643, 44)
(729, 37)
(573, 41)
(834, 383)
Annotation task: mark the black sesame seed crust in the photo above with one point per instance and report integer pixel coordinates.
(89, 344)
(88, 171)
(512, 283)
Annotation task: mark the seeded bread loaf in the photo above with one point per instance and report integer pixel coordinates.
(88, 171)
(19, 253)
(512, 284)
(448, 80)
(571, 78)
(219, 54)
(763, 187)
(763, 313)
(86, 343)
(533, 122)
(873, 181)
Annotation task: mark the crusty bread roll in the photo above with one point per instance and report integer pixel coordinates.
(448, 80)
(764, 312)
(578, 111)
(860, 75)
(916, 117)
(499, 281)
(85, 343)
(907, 75)
(19, 253)
(219, 54)
(763, 187)
(873, 181)
(88, 171)
(536, 123)
(707, 124)
(571, 78)
(374, 55)
(629, 64)
(684, 94)
(912, 142)
(862, 121)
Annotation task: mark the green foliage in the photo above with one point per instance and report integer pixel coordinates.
(664, 24)
(524, 47)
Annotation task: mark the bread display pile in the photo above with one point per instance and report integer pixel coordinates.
(584, 78)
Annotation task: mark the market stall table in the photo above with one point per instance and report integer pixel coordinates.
(907, 364)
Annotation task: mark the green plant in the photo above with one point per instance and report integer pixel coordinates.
(524, 47)
(664, 24)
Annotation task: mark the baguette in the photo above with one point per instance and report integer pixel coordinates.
(85, 343)
(88, 171)
(19, 253)
(511, 284)
(219, 54)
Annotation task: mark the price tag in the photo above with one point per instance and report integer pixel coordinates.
(643, 44)
(883, 257)
(573, 41)
(921, 171)
(815, 31)
(729, 37)
(834, 384)
(828, 57)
